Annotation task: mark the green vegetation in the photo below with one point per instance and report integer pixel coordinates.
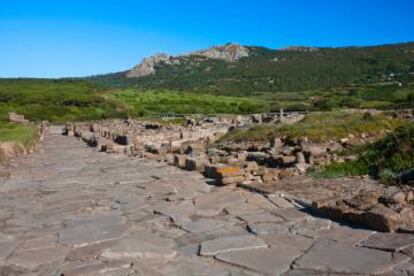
(55, 100)
(294, 79)
(23, 134)
(289, 70)
(385, 159)
(318, 127)
(143, 103)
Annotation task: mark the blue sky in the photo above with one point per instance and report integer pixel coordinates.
(57, 38)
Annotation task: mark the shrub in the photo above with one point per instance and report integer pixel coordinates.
(385, 159)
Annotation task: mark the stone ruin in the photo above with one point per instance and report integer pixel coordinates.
(16, 118)
(192, 147)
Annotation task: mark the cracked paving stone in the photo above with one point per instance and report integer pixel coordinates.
(389, 241)
(221, 245)
(205, 225)
(269, 261)
(177, 212)
(213, 203)
(136, 249)
(34, 258)
(260, 218)
(69, 209)
(86, 230)
(6, 248)
(328, 256)
(269, 228)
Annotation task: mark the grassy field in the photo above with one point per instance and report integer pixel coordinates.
(318, 127)
(142, 103)
(79, 100)
(23, 134)
(55, 100)
(385, 159)
(385, 96)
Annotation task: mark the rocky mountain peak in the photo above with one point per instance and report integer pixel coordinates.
(230, 52)
(147, 66)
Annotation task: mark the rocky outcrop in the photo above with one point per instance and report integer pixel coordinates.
(147, 66)
(229, 52)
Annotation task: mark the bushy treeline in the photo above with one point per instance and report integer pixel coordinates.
(54, 100)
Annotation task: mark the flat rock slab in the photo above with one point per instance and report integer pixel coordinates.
(205, 225)
(216, 246)
(136, 249)
(311, 227)
(87, 230)
(177, 212)
(269, 228)
(212, 204)
(287, 241)
(389, 241)
(259, 200)
(192, 267)
(37, 243)
(344, 235)
(328, 256)
(113, 268)
(290, 214)
(88, 253)
(260, 218)
(279, 201)
(6, 248)
(33, 258)
(269, 261)
(244, 208)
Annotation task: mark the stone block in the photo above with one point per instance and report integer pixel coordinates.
(231, 180)
(179, 161)
(169, 158)
(220, 171)
(195, 164)
(382, 218)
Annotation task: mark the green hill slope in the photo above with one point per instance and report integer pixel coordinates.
(288, 70)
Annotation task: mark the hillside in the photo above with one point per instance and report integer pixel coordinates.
(236, 70)
(225, 79)
(55, 100)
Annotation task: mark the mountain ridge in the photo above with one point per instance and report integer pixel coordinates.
(234, 68)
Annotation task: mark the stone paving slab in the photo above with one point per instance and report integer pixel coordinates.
(177, 212)
(327, 256)
(389, 241)
(86, 230)
(34, 258)
(130, 249)
(204, 225)
(271, 261)
(235, 243)
(260, 218)
(70, 209)
(287, 241)
(6, 248)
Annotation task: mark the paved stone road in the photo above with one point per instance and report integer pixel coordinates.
(69, 210)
